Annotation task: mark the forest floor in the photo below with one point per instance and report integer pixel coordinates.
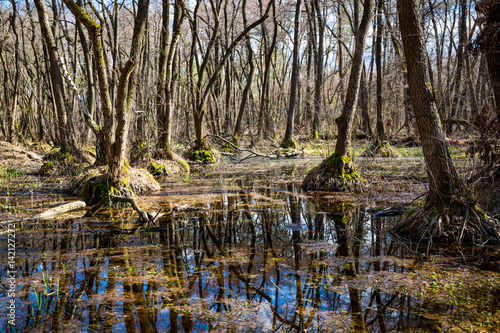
(245, 249)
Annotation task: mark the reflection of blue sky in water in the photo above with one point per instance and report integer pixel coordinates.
(271, 236)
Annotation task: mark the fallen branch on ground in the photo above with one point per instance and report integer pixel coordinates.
(272, 154)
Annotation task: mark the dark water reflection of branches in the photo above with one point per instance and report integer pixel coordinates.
(254, 260)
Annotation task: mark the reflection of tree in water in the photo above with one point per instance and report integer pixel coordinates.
(255, 260)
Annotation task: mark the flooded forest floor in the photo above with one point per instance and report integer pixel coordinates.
(238, 247)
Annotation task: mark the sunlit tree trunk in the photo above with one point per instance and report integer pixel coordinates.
(249, 80)
(338, 172)
(115, 140)
(288, 141)
(55, 74)
(166, 87)
(264, 108)
(346, 119)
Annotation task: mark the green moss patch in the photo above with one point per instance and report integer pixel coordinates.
(336, 173)
(138, 180)
(288, 142)
(205, 156)
(157, 168)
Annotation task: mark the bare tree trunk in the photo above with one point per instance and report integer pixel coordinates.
(95, 31)
(363, 104)
(318, 66)
(126, 93)
(288, 141)
(378, 61)
(338, 172)
(462, 36)
(443, 178)
(166, 85)
(55, 74)
(346, 119)
(265, 94)
(11, 137)
(248, 85)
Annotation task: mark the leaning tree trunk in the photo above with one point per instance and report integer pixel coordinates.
(346, 119)
(443, 177)
(450, 213)
(337, 172)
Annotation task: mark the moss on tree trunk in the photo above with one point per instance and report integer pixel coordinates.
(336, 173)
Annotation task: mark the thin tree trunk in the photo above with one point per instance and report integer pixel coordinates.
(251, 74)
(457, 86)
(318, 84)
(378, 62)
(288, 141)
(265, 99)
(346, 119)
(55, 74)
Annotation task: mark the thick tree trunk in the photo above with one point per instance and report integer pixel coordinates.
(443, 179)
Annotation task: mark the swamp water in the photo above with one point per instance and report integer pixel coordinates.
(245, 256)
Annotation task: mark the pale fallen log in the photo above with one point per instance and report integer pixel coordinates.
(61, 209)
(58, 210)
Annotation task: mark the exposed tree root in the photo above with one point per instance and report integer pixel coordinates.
(123, 195)
(334, 174)
(99, 191)
(460, 222)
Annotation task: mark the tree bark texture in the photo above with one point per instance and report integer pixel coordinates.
(346, 119)
(441, 172)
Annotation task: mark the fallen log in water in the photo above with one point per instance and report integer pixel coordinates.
(58, 210)
(61, 209)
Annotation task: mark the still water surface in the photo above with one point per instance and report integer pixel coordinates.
(243, 257)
